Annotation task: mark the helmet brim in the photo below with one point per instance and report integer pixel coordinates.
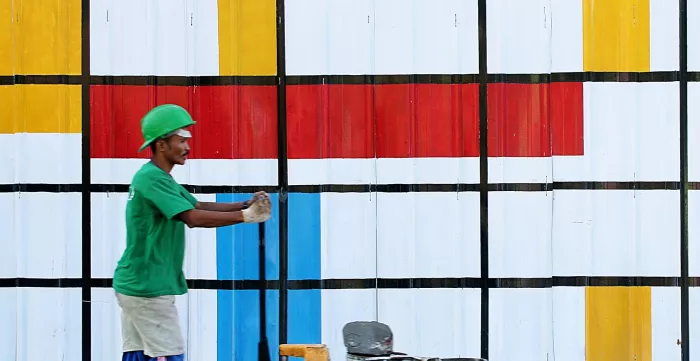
(145, 145)
(180, 131)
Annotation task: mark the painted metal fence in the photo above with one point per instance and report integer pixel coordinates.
(510, 179)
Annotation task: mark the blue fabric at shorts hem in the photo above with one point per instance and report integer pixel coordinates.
(139, 356)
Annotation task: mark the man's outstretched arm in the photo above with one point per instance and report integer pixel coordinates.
(200, 218)
(258, 211)
(229, 207)
(220, 207)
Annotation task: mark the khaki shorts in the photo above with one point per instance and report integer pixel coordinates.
(151, 325)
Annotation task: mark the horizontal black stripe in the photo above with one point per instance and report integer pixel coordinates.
(383, 79)
(40, 79)
(363, 188)
(625, 77)
(657, 76)
(596, 77)
(184, 80)
(371, 283)
(140, 80)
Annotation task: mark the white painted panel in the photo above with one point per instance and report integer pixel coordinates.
(426, 37)
(693, 43)
(108, 231)
(665, 323)
(384, 171)
(519, 170)
(433, 322)
(339, 307)
(467, 36)
(48, 235)
(520, 324)
(49, 324)
(348, 235)
(519, 36)
(428, 235)
(693, 132)
(228, 172)
(567, 35)
(306, 35)
(197, 313)
(569, 323)
(427, 170)
(663, 35)
(203, 38)
(100, 44)
(40, 158)
(8, 333)
(693, 233)
(694, 320)
(106, 324)
(616, 233)
(9, 241)
(332, 171)
(630, 133)
(381, 37)
(395, 36)
(520, 234)
(200, 252)
(198, 320)
(154, 37)
(329, 37)
(109, 238)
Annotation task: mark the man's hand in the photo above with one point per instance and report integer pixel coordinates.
(256, 196)
(260, 210)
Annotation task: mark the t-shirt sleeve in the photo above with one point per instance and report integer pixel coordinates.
(167, 197)
(189, 196)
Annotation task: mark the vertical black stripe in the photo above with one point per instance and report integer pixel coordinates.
(282, 170)
(683, 111)
(85, 180)
(483, 180)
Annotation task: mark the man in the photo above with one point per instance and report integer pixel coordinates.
(149, 274)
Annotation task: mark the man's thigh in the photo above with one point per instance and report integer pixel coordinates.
(131, 340)
(157, 323)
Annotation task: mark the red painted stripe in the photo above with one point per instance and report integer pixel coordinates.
(535, 120)
(433, 120)
(427, 120)
(233, 122)
(349, 121)
(386, 121)
(566, 104)
(330, 121)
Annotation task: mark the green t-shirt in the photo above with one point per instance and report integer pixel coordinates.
(151, 264)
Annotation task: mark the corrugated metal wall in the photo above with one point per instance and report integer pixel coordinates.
(532, 213)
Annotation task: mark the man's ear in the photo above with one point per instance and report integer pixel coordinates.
(158, 145)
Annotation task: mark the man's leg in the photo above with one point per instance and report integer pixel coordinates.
(156, 320)
(132, 345)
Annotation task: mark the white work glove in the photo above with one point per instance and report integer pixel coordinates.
(258, 211)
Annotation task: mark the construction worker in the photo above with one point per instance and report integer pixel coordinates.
(149, 274)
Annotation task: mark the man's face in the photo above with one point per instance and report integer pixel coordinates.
(175, 149)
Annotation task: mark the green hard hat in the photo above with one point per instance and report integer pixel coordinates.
(162, 121)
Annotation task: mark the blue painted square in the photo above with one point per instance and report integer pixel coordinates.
(237, 246)
(237, 258)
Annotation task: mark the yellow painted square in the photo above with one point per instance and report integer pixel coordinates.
(247, 37)
(40, 37)
(40, 109)
(616, 35)
(618, 323)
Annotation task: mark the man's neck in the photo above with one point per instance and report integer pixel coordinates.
(162, 164)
